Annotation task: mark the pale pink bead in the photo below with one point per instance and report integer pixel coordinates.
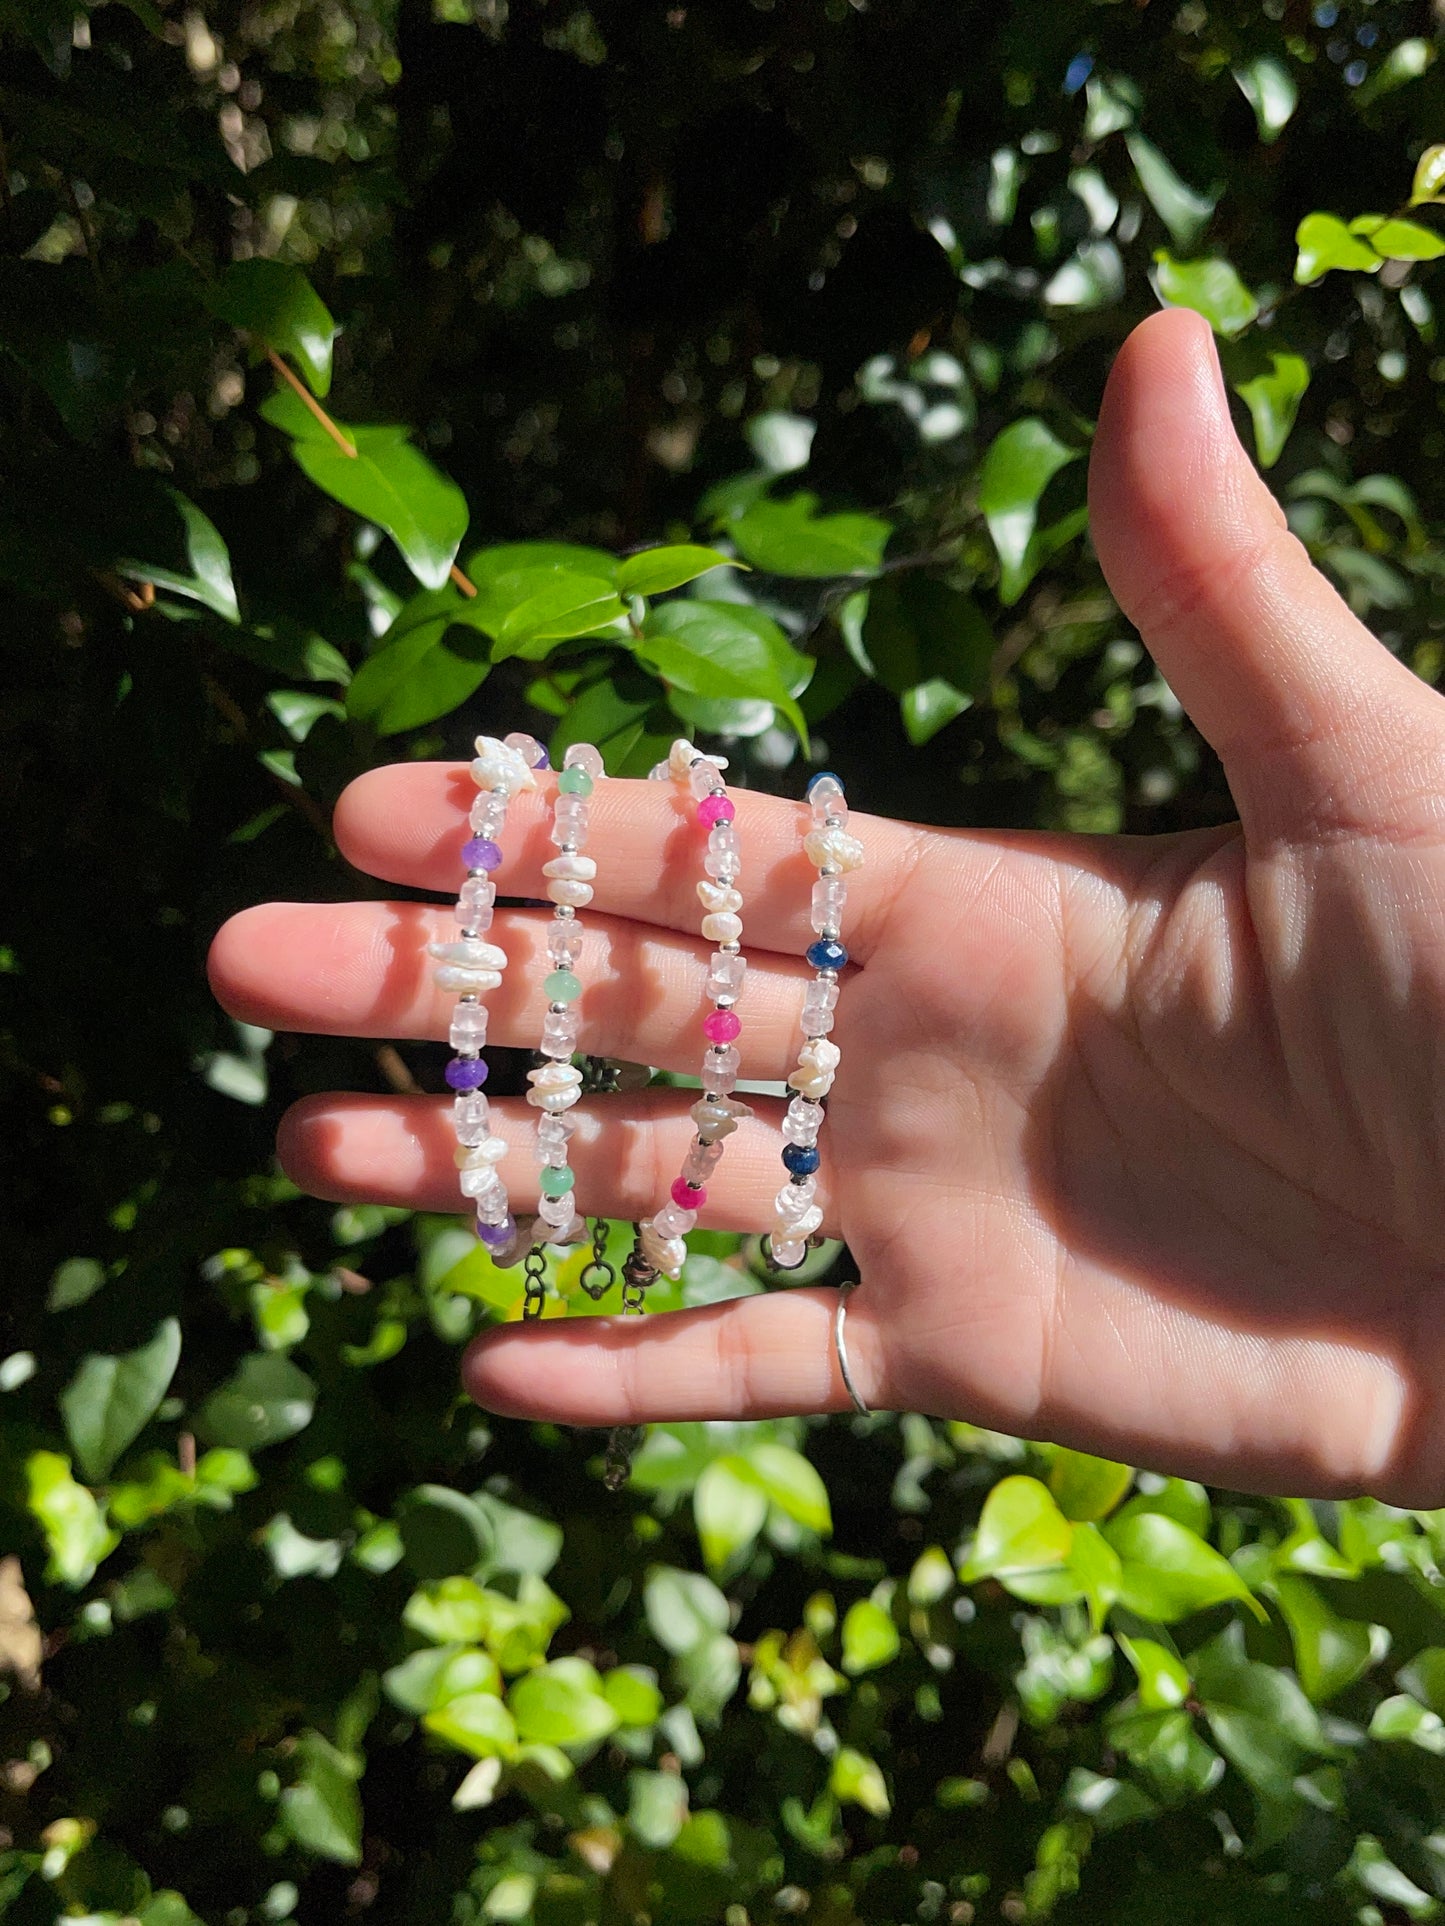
(715, 809)
(721, 1026)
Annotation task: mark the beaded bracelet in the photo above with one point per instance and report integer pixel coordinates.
(556, 1082)
(829, 846)
(717, 1113)
(471, 967)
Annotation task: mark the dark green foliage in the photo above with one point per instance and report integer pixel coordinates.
(718, 367)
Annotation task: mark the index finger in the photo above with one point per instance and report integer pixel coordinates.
(406, 824)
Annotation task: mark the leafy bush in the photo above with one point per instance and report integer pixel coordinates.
(747, 359)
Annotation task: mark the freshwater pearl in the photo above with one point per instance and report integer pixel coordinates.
(724, 927)
(833, 849)
(575, 869)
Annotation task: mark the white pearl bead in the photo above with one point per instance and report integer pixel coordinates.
(491, 1150)
(680, 759)
(665, 1254)
(724, 927)
(500, 769)
(719, 898)
(467, 982)
(787, 1254)
(469, 953)
(574, 895)
(575, 869)
(833, 849)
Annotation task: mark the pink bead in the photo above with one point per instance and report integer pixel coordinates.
(721, 1026)
(688, 1196)
(715, 809)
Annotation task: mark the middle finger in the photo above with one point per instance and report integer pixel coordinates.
(362, 969)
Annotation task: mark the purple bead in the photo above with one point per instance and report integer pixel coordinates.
(466, 1073)
(480, 852)
(544, 761)
(497, 1236)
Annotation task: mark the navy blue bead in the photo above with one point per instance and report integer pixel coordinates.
(827, 954)
(822, 775)
(801, 1159)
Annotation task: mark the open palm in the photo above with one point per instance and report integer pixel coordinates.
(1137, 1143)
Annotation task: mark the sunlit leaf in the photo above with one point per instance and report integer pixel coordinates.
(111, 1399)
(1269, 87)
(792, 538)
(728, 1509)
(1018, 467)
(267, 1400)
(280, 309)
(1429, 175)
(562, 1704)
(1211, 287)
(1185, 213)
(1325, 243)
(1273, 401)
(76, 1534)
(870, 1637)
(1021, 1529)
(656, 570)
(724, 649)
(322, 1810)
(1398, 240)
(1169, 1571)
(394, 485)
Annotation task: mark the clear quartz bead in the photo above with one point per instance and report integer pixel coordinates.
(558, 1211)
(483, 1183)
(527, 747)
(470, 1112)
(725, 976)
(704, 778)
(724, 852)
(488, 814)
(673, 1221)
(469, 1026)
(475, 917)
(830, 893)
(827, 799)
(559, 1034)
(787, 1254)
(795, 1200)
(659, 772)
(582, 755)
(818, 1004)
(569, 824)
(555, 1129)
(700, 1163)
(802, 1121)
(564, 941)
(720, 1069)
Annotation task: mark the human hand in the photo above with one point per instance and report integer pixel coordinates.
(1137, 1142)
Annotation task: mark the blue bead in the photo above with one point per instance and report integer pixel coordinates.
(801, 1159)
(823, 775)
(827, 954)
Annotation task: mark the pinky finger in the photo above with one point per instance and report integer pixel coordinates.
(769, 1356)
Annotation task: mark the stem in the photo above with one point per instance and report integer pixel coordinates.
(467, 588)
(311, 402)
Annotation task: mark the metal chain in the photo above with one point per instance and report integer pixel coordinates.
(598, 1276)
(623, 1439)
(535, 1265)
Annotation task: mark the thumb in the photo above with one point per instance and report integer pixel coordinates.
(1295, 694)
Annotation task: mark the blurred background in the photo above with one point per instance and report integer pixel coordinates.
(288, 1629)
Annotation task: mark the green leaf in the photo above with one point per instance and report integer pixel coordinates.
(913, 629)
(728, 1509)
(562, 1704)
(1211, 287)
(858, 1780)
(657, 1807)
(656, 570)
(76, 1533)
(1429, 175)
(1169, 1571)
(632, 1692)
(1398, 240)
(558, 606)
(930, 706)
(684, 1609)
(725, 649)
(1406, 61)
(515, 1630)
(1378, 1874)
(521, 1541)
(1269, 87)
(1086, 1487)
(791, 538)
(1325, 244)
(1330, 1652)
(1273, 401)
(278, 306)
(791, 1483)
(1166, 1749)
(1095, 1566)
(428, 1679)
(209, 581)
(110, 1400)
(442, 1531)
(423, 668)
(1405, 1719)
(1163, 1678)
(1018, 467)
(393, 484)
(1261, 1720)
(1020, 1530)
(74, 1282)
(474, 1722)
(1424, 1676)
(870, 1638)
(1185, 213)
(267, 1400)
(322, 1810)
(1177, 1498)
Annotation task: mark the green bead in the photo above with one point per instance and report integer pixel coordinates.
(557, 1183)
(562, 987)
(575, 782)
